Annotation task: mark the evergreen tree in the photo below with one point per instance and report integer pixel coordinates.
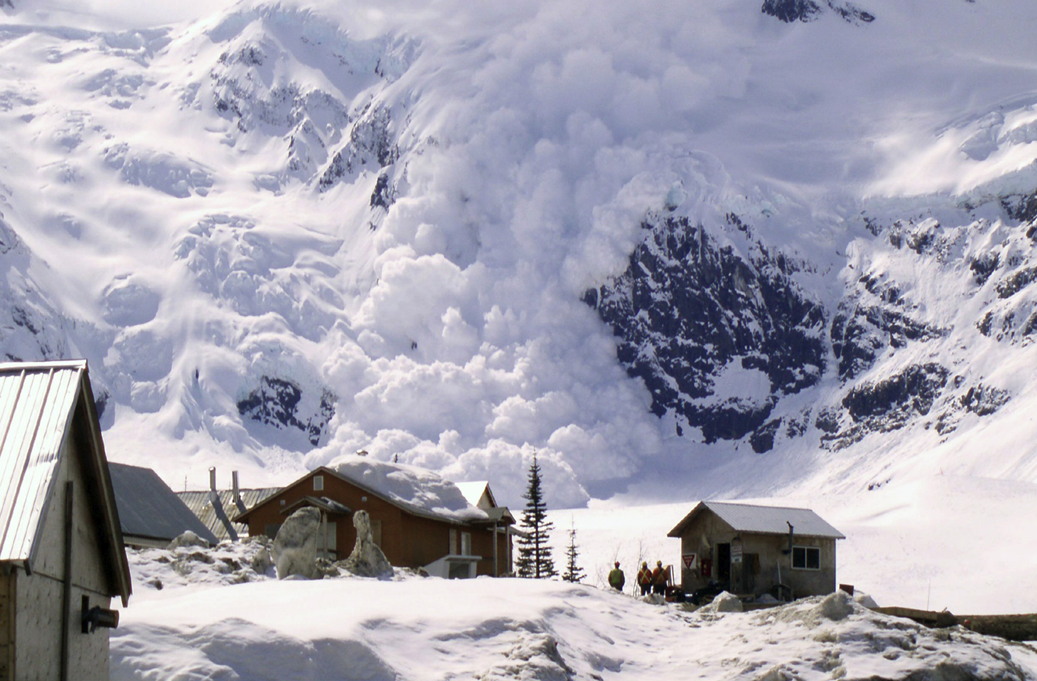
(573, 572)
(534, 553)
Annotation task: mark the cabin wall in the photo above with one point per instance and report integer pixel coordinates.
(763, 556)
(406, 540)
(6, 626)
(38, 596)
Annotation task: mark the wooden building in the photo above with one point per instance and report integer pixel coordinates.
(753, 550)
(466, 543)
(61, 549)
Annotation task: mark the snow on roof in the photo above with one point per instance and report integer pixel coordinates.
(473, 491)
(764, 519)
(410, 487)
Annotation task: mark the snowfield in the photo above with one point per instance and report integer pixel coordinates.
(417, 629)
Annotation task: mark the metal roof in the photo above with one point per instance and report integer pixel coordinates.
(198, 503)
(763, 519)
(41, 405)
(149, 509)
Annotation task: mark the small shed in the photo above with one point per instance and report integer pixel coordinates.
(754, 550)
(150, 513)
(61, 550)
(417, 518)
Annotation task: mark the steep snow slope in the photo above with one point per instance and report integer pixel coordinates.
(286, 230)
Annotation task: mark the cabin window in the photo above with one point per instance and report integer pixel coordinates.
(318, 483)
(806, 558)
(466, 543)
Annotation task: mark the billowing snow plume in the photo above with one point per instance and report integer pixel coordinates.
(288, 230)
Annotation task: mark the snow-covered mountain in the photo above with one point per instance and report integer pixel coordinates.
(722, 249)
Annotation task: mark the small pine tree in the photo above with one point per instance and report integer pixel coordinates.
(573, 572)
(534, 553)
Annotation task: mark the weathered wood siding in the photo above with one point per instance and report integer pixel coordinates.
(760, 574)
(7, 606)
(406, 540)
(38, 597)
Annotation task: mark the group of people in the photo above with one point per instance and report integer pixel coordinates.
(649, 581)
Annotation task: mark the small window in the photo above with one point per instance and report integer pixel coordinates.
(466, 543)
(806, 558)
(318, 483)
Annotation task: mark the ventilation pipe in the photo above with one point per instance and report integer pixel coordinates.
(217, 506)
(791, 535)
(237, 493)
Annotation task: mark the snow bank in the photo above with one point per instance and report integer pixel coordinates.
(433, 629)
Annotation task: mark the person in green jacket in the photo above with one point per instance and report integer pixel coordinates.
(616, 578)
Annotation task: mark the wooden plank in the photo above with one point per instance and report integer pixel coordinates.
(6, 627)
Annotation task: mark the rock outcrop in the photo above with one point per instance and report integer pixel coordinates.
(367, 560)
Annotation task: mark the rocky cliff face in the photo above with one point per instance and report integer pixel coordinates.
(718, 336)
(724, 337)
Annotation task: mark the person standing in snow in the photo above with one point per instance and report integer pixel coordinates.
(616, 578)
(660, 578)
(644, 579)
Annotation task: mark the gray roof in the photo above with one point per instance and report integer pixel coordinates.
(149, 509)
(198, 503)
(42, 406)
(763, 519)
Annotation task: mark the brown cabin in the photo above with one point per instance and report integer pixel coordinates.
(755, 550)
(410, 537)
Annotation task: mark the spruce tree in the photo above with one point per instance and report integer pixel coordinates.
(573, 572)
(534, 553)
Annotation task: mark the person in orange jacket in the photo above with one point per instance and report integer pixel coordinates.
(644, 579)
(660, 578)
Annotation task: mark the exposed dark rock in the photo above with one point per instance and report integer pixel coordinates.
(983, 400)
(370, 146)
(763, 439)
(1016, 282)
(276, 402)
(384, 194)
(892, 400)
(791, 10)
(983, 266)
(808, 10)
(1020, 207)
(687, 308)
(860, 333)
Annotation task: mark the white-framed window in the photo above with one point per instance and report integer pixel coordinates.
(806, 558)
(318, 483)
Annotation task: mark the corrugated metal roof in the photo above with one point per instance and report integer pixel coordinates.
(764, 519)
(198, 503)
(149, 509)
(36, 406)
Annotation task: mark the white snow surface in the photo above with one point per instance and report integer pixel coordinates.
(414, 628)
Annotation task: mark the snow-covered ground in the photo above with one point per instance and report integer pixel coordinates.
(418, 629)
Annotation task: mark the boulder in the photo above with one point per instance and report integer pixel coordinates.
(726, 602)
(367, 560)
(188, 538)
(295, 546)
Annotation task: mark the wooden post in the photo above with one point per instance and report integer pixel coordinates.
(66, 591)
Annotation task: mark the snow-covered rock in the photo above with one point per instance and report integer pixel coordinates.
(366, 559)
(295, 547)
